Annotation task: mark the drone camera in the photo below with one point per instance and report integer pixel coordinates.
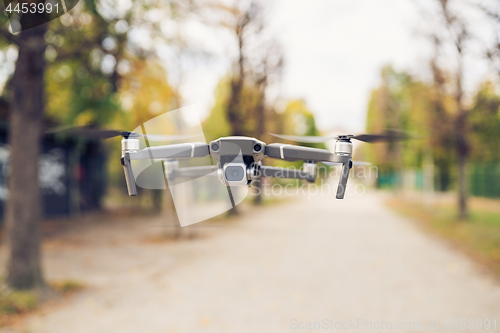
(215, 146)
(235, 174)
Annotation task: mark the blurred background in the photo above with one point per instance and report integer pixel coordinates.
(429, 68)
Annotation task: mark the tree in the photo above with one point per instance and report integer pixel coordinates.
(455, 37)
(23, 210)
(388, 109)
(259, 62)
(216, 125)
(403, 101)
(245, 23)
(145, 93)
(88, 48)
(266, 70)
(92, 48)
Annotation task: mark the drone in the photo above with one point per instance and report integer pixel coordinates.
(238, 158)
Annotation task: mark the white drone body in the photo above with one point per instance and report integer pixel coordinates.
(238, 158)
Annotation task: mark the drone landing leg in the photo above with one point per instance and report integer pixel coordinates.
(343, 180)
(231, 196)
(129, 175)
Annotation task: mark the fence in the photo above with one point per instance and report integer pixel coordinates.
(483, 180)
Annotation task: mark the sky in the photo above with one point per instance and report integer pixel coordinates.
(334, 50)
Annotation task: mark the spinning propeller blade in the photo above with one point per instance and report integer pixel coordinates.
(355, 163)
(307, 139)
(388, 136)
(98, 133)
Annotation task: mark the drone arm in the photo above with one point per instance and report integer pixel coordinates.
(181, 150)
(193, 172)
(272, 172)
(130, 152)
(297, 153)
(293, 153)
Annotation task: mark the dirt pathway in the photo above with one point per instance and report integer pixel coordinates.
(331, 264)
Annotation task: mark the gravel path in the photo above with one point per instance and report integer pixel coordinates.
(324, 263)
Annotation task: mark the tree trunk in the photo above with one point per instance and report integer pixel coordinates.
(462, 187)
(461, 141)
(259, 133)
(23, 211)
(462, 152)
(234, 111)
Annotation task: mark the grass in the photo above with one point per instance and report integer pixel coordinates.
(479, 235)
(66, 287)
(16, 303)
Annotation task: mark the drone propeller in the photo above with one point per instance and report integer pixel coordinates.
(98, 133)
(354, 163)
(388, 136)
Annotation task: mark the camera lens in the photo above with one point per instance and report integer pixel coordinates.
(257, 147)
(235, 173)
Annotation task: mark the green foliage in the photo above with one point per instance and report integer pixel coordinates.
(97, 74)
(399, 103)
(67, 286)
(74, 96)
(90, 52)
(484, 119)
(79, 88)
(16, 301)
(146, 93)
(296, 119)
(405, 103)
(299, 120)
(216, 124)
